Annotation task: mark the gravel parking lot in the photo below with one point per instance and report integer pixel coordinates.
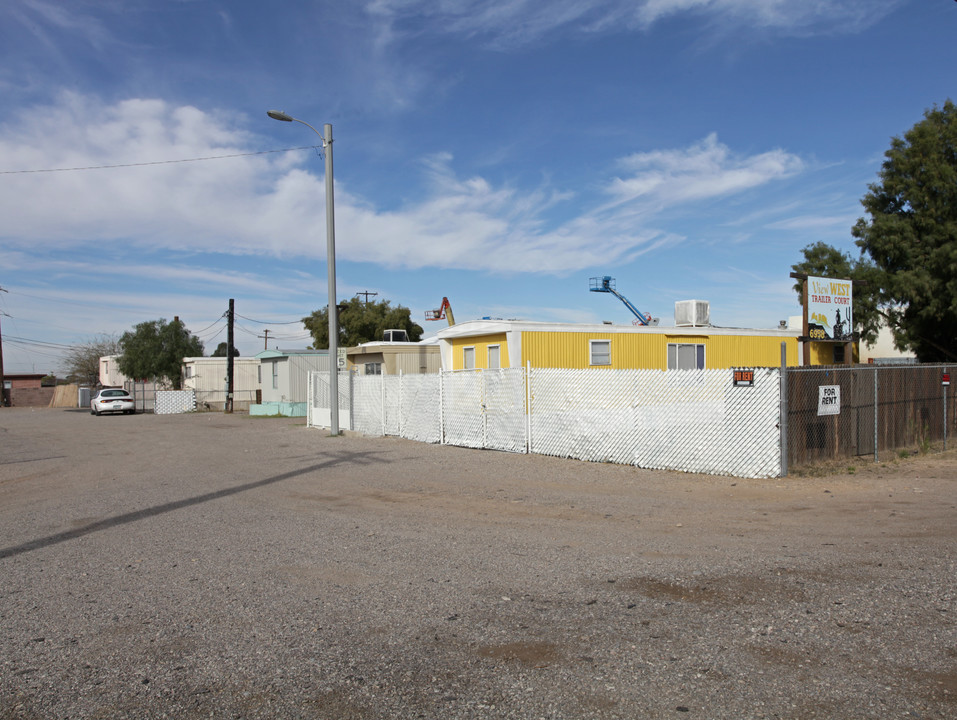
(208, 565)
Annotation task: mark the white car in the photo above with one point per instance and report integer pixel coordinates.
(112, 400)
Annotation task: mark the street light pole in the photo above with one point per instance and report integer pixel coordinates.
(331, 266)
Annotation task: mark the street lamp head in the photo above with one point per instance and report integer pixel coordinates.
(279, 115)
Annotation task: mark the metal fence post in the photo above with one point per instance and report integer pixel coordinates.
(783, 422)
(484, 410)
(528, 407)
(947, 371)
(399, 405)
(441, 407)
(876, 375)
(382, 401)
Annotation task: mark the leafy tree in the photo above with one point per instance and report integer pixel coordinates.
(221, 350)
(822, 260)
(911, 235)
(908, 244)
(82, 362)
(156, 349)
(361, 322)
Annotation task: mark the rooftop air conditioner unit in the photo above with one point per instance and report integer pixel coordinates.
(692, 313)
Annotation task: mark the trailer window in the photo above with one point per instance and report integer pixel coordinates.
(599, 352)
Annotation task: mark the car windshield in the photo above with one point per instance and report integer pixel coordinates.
(113, 393)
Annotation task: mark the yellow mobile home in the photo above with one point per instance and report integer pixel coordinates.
(514, 343)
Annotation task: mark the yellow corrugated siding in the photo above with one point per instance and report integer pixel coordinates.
(571, 350)
(650, 350)
(725, 351)
(481, 345)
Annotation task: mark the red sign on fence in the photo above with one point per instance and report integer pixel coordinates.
(744, 378)
(946, 379)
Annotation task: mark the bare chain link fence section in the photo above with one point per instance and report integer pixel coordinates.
(866, 411)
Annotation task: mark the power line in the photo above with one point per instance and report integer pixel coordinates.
(213, 325)
(216, 335)
(34, 351)
(156, 162)
(294, 336)
(116, 308)
(43, 343)
(269, 322)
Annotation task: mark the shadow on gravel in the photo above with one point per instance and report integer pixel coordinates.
(38, 459)
(357, 458)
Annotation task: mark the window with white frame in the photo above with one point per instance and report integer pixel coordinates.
(275, 376)
(468, 358)
(599, 352)
(189, 371)
(372, 368)
(259, 374)
(494, 357)
(686, 356)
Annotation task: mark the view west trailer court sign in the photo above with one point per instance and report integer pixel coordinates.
(828, 316)
(829, 310)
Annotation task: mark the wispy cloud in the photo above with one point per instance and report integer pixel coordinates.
(35, 16)
(505, 23)
(815, 222)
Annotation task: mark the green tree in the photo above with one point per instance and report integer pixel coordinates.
(220, 350)
(911, 235)
(82, 362)
(822, 260)
(156, 349)
(361, 322)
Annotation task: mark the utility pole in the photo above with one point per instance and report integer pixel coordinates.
(265, 337)
(229, 359)
(366, 293)
(3, 385)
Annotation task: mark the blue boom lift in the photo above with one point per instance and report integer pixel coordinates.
(606, 284)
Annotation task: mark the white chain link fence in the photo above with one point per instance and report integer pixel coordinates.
(174, 402)
(690, 420)
(693, 420)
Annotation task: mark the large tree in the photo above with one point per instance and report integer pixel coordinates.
(82, 362)
(156, 349)
(361, 322)
(911, 235)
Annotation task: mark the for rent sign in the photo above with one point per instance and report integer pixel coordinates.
(829, 309)
(829, 400)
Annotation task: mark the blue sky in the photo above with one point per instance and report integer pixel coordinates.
(497, 153)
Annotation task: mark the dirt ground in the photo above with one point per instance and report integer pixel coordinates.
(228, 566)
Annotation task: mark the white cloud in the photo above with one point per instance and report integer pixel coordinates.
(267, 204)
(705, 170)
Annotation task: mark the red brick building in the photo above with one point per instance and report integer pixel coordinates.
(27, 390)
